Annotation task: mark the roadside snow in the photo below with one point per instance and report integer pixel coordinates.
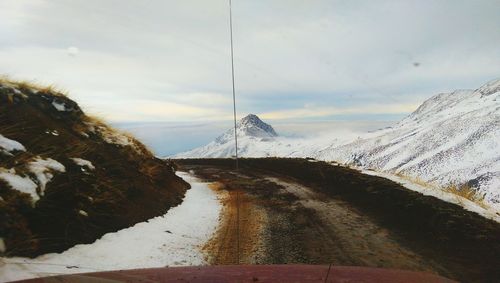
(8, 145)
(490, 212)
(83, 162)
(43, 168)
(173, 239)
(22, 184)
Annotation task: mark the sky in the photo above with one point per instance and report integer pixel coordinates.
(167, 62)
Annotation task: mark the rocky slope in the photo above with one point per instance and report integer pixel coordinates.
(67, 178)
(452, 140)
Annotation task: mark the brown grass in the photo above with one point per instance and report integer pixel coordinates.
(99, 122)
(24, 84)
(127, 186)
(461, 191)
(416, 180)
(466, 192)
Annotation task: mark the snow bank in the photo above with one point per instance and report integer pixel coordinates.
(489, 212)
(8, 145)
(170, 240)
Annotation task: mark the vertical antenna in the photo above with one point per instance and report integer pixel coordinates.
(235, 136)
(232, 75)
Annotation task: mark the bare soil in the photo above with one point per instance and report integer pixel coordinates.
(296, 211)
(237, 238)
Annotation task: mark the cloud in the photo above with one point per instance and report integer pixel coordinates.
(346, 54)
(152, 110)
(322, 111)
(72, 51)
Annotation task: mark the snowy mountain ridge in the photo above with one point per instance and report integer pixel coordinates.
(250, 126)
(250, 130)
(451, 139)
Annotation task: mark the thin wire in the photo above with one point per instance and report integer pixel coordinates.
(328, 273)
(232, 76)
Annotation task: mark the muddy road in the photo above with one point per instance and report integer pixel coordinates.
(282, 211)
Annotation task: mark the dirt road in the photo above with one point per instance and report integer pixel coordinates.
(272, 218)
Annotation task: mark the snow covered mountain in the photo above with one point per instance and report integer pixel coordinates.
(251, 131)
(451, 139)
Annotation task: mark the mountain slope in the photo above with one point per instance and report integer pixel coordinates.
(67, 178)
(251, 132)
(451, 139)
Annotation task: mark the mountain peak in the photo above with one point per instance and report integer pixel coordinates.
(251, 118)
(252, 125)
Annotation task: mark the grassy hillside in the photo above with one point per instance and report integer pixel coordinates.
(67, 178)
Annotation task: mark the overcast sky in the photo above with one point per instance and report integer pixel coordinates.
(135, 62)
(301, 59)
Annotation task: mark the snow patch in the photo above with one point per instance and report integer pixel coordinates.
(174, 239)
(112, 136)
(19, 183)
(54, 132)
(83, 163)
(7, 145)
(43, 169)
(60, 106)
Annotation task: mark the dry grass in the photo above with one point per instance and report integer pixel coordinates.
(466, 192)
(94, 120)
(101, 127)
(461, 192)
(127, 185)
(33, 85)
(417, 180)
